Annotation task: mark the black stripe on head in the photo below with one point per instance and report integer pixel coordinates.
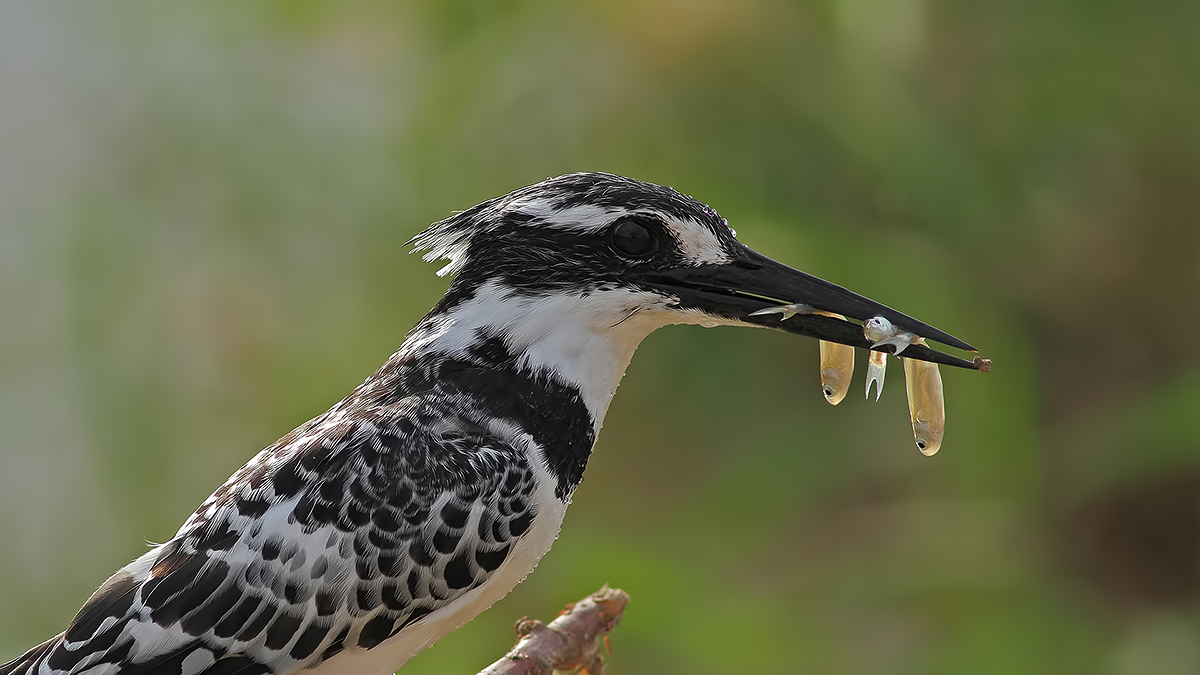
(497, 233)
(531, 258)
(608, 190)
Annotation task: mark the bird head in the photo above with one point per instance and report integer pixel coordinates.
(609, 251)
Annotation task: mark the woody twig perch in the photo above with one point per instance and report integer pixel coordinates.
(570, 643)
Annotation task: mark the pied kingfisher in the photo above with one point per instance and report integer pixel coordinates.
(434, 488)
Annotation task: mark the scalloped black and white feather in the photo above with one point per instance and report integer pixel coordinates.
(435, 487)
(390, 507)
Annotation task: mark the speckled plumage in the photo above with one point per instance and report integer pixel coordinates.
(432, 490)
(425, 495)
(389, 506)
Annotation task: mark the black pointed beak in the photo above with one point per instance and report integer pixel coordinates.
(752, 282)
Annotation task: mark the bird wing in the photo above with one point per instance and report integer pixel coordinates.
(337, 537)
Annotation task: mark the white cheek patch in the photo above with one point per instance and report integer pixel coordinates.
(698, 243)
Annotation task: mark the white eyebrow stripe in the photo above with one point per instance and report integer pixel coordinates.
(698, 243)
(696, 240)
(582, 218)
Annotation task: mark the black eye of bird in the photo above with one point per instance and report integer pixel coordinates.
(633, 238)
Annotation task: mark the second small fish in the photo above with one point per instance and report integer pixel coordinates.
(926, 406)
(876, 370)
(837, 367)
(880, 331)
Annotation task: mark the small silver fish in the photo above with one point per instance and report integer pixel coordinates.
(837, 366)
(926, 406)
(879, 331)
(876, 369)
(878, 328)
(788, 311)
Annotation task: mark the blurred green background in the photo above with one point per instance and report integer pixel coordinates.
(202, 215)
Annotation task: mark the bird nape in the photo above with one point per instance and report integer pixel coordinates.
(429, 492)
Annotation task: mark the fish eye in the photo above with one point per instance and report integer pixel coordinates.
(632, 238)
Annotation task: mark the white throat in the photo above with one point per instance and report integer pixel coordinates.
(585, 340)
